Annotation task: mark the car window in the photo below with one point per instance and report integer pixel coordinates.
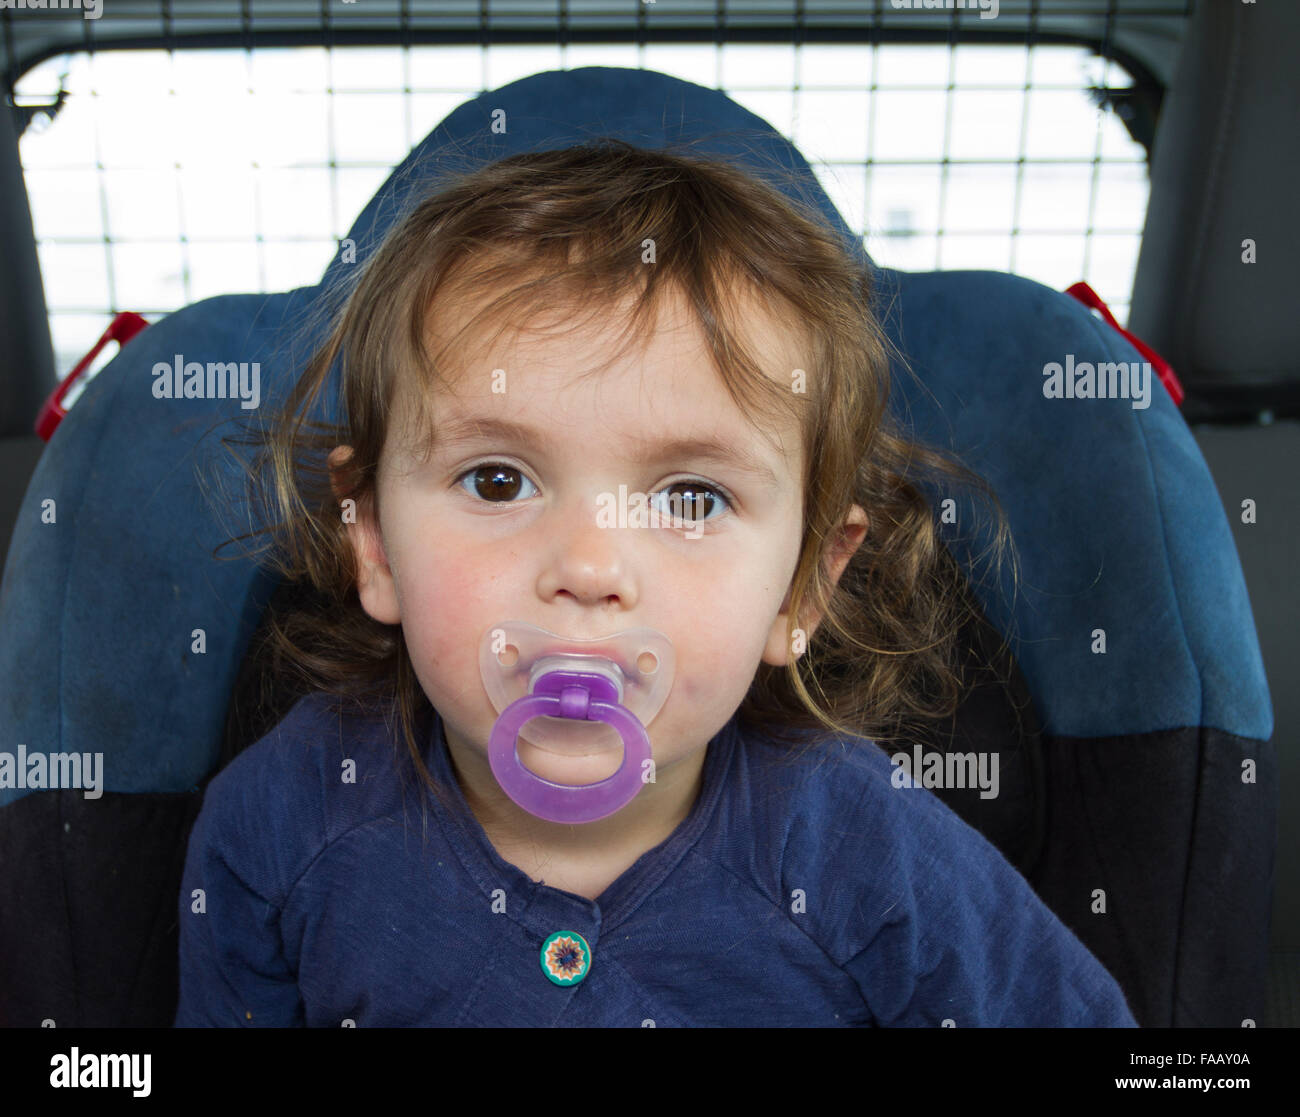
(171, 176)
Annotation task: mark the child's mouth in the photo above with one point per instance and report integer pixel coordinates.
(573, 698)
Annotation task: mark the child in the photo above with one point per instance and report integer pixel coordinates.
(528, 340)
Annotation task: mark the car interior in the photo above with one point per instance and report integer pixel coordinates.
(1140, 705)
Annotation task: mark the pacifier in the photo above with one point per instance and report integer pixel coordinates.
(567, 696)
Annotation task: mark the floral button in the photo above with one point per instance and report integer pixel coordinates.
(566, 957)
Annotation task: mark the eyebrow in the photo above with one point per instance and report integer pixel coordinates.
(458, 432)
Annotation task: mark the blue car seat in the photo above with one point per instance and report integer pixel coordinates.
(1139, 785)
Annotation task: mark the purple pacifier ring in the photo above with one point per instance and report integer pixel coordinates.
(581, 696)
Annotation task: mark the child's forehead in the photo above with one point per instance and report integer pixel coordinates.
(642, 413)
(641, 425)
(558, 345)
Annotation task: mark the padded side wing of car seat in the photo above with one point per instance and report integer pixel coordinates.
(1161, 775)
(123, 636)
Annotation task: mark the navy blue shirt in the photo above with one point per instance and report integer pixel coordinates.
(813, 893)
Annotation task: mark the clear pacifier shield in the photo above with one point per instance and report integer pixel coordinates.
(639, 662)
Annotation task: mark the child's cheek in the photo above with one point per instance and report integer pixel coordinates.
(701, 685)
(447, 668)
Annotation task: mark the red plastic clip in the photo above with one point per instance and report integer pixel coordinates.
(122, 329)
(1164, 370)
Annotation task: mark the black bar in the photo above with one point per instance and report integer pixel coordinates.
(347, 1066)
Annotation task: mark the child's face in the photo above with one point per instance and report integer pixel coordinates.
(458, 554)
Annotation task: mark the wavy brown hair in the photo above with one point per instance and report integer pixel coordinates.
(576, 227)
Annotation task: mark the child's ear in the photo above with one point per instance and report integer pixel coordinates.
(849, 538)
(375, 583)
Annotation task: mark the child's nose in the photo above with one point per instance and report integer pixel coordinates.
(585, 558)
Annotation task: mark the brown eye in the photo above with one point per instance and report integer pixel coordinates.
(695, 504)
(495, 482)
